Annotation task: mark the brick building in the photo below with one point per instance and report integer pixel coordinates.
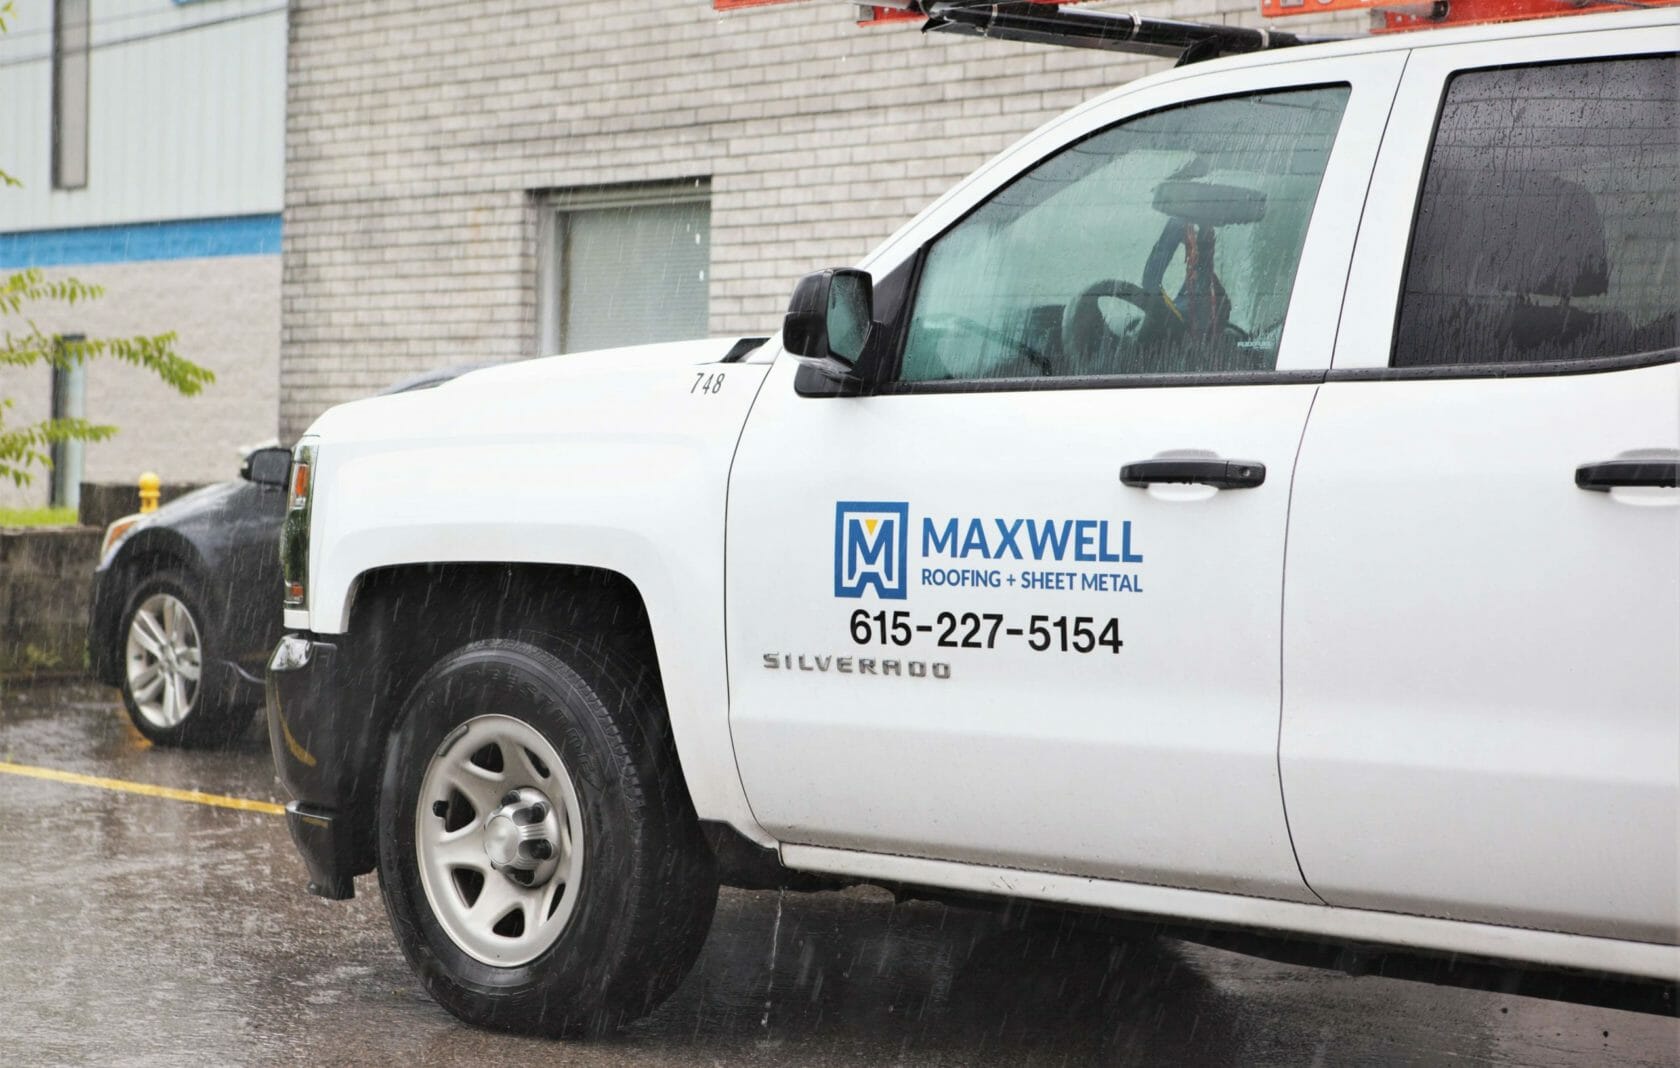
(513, 177)
(149, 138)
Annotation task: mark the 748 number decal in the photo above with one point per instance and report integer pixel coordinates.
(981, 630)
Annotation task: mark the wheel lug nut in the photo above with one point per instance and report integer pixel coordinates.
(541, 849)
(440, 809)
(537, 813)
(511, 797)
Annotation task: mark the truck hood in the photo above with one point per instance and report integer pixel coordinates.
(612, 460)
(605, 361)
(508, 396)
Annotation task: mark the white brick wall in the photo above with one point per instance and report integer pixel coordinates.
(418, 129)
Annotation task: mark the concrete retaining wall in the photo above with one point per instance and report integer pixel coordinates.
(45, 583)
(46, 580)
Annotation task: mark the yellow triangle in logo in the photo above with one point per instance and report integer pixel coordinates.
(871, 523)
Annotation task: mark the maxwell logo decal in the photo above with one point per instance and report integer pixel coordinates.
(871, 541)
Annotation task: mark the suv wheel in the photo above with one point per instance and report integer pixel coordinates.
(540, 859)
(172, 687)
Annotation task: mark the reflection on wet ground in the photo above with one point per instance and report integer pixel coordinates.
(138, 930)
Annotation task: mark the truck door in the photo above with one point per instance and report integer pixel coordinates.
(1020, 606)
(1482, 613)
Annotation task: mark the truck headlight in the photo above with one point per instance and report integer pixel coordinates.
(294, 531)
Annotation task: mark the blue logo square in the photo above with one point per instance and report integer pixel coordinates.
(871, 548)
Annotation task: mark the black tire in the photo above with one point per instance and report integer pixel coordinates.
(213, 717)
(648, 882)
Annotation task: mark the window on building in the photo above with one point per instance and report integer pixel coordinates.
(70, 94)
(1549, 226)
(623, 266)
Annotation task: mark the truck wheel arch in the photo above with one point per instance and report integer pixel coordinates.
(404, 618)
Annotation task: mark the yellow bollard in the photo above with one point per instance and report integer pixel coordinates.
(149, 484)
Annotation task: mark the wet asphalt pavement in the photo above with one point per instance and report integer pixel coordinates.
(137, 930)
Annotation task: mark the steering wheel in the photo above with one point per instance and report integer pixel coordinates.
(1087, 340)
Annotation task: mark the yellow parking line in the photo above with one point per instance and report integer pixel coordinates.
(197, 797)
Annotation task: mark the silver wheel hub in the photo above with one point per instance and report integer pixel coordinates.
(163, 660)
(498, 838)
(520, 837)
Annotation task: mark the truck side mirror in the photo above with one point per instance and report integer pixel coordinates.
(829, 318)
(267, 467)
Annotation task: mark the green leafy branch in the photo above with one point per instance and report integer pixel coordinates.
(23, 447)
(5, 14)
(155, 353)
(31, 285)
(28, 446)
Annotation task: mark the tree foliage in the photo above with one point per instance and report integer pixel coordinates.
(6, 13)
(25, 344)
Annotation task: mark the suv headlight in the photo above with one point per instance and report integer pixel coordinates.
(294, 531)
(116, 534)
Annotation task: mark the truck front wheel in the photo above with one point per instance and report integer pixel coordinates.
(540, 859)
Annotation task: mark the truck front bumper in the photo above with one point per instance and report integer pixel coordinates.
(321, 753)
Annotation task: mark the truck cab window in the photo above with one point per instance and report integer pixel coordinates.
(1165, 245)
(1549, 226)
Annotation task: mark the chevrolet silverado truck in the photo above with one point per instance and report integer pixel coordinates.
(1248, 502)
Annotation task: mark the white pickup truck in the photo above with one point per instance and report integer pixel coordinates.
(1249, 501)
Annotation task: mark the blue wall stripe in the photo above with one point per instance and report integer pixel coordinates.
(189, 239)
